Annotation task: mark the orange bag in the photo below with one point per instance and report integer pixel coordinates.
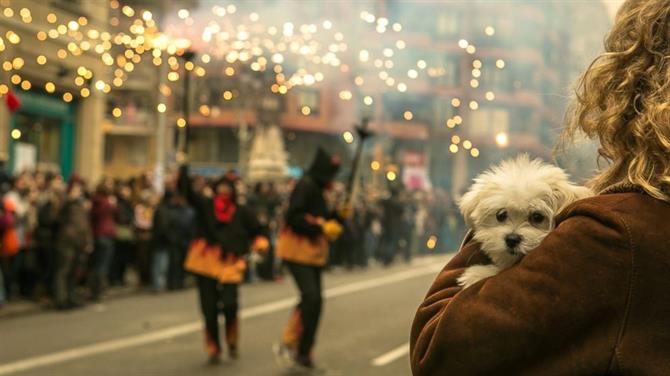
(10, 243)
(205, 260)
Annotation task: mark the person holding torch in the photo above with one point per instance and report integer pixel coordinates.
(303, 246)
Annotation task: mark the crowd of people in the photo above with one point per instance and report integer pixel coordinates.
(67, 241)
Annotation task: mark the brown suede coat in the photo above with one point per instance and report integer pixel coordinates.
(592, 299)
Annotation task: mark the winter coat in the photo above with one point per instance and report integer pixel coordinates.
(75, 228)
(47, 223)
(103, 216)
(592, 299)
(172, 227)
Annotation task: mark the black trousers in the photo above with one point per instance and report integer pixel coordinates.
(308, 280)
(215, 298)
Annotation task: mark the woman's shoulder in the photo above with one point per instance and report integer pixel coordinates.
(616, 204)
(631, 214)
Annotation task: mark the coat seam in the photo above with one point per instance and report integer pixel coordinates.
(616, 355)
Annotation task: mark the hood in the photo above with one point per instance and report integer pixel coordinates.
(324, 167)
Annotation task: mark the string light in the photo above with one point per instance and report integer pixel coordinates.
(345, 95)
(502, 139)
(367, 100)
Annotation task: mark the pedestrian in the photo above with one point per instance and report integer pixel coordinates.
(9, 246)
(594, 297)
(48, 207)
(21, 270)
(124, 240)
(103, 222)
(171, 236)
(266, 201)
(224, 233)
(144, 213)
(74, 242)
(303, 246)
(392, 221)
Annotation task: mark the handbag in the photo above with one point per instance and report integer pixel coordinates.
(10, 243)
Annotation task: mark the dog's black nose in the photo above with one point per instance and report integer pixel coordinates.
(512, 240)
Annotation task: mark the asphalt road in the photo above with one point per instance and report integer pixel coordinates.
(364, 330)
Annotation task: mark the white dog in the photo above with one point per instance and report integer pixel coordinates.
(511, 208)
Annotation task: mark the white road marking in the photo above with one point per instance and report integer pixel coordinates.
(184, 329)
(391, 356)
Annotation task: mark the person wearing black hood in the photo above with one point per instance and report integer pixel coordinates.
(303, 246)
(224, 231)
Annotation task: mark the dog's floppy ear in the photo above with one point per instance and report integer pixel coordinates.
(468, 204)
(565, 193)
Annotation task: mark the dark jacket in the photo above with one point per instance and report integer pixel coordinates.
(306, 200)
(75, 228)
(172, 227)
(307, 197)
(234, 236)
(47, 223)
(592, 299)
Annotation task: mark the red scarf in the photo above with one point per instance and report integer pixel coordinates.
(224, 208)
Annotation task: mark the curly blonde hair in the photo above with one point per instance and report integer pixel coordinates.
(623, 100)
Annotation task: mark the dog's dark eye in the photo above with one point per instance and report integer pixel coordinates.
(501, 215)
(536, 218)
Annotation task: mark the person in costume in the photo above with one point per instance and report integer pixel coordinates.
(303, 246)
(224, 234)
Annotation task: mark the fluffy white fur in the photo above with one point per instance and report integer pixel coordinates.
(511, 208)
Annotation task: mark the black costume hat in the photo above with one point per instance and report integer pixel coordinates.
(324, 167)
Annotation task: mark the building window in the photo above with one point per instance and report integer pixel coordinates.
(308, 102)
(495, 78)
(487, 122)
(448, 24)
(421, 108)
(450, 75)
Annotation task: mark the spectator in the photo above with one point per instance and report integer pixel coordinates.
(392, 226)
(172, 232)
(74, 242)
(49, 205)
(144, 212)
(125, 236)
(103, 213)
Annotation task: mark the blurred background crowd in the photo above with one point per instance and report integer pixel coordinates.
(65, 242)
